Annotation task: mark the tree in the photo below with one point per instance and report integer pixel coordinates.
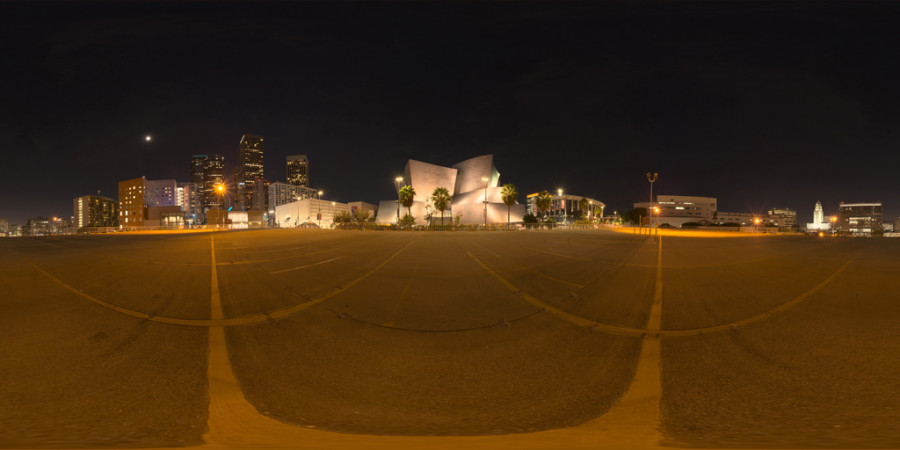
(584, 204)
(361, 215)
(342, 217)
(542, 202)
(509, 195)
(440, 198)
(407, 196)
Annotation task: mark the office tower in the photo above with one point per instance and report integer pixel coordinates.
(131, 202)
(207, 171)
(95, 211)
(297, 170)
(249, 169)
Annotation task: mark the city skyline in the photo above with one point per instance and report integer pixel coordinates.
(577, 96)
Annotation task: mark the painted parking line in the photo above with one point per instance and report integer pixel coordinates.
(307, 265)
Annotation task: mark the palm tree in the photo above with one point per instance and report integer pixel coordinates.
(584, 204)
(407, 196)
(509, 195)
(543, 202)
(440, 198)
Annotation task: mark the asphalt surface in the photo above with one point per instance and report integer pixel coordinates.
(766, 341)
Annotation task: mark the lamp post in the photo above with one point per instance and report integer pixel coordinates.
(651, 177)
(562, 205)
(485, 181)
(833, 223)
(319, 206)
(220, 193)
(591, 211)
(333, 213)
(397, 181)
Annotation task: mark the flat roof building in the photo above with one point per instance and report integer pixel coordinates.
(92, 211)
(860, 219)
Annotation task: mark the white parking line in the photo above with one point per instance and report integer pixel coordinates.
(308, 265)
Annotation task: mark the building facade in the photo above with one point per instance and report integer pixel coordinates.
(260, 200)
(309, 211)
(208, 171)
(188, 198)
(860, 219)
(474, 186)
(160, 193)
(782, 217)
(95, 211)
(249, 169)
(565, 207)
(283, 193)
(297, 170)
(131, 203)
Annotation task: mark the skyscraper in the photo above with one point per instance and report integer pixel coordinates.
(207, 172)
(297, 170)
(249, 169)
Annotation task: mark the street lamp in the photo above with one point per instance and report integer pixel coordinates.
(562, 206)
(485, 181)
(333, 213)
(591, 210)
(220, 193)
(833, 221)
(319, 206)
(651, 177)
(397, 181)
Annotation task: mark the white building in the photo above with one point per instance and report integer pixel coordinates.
(819, 223)
(474, 187)
(283, 193)
(676, 210)
(308, 211)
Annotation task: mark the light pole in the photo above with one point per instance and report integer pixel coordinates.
(651, 177)
(397, 181)
(562, 205)
(485, 181)
(220, 193)
(591, 211)
(297, 219)
(319, 206)
(333, 213)
(833, 223)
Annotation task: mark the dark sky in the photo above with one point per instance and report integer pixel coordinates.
(759, 104)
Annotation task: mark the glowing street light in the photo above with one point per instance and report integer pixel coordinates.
(319, 203)
(833, 221)
(562, 205)
(485, 181)
(651, 177)
(220, 194)
(397, 181)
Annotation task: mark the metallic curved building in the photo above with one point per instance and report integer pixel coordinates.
(474, 185)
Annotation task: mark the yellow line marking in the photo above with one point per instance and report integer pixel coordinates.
(403, 296)
(655, 328)
(307, 265)
(252, 319)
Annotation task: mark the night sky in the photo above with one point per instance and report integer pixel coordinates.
(757, 104)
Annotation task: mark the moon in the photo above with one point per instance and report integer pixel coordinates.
(148, 138)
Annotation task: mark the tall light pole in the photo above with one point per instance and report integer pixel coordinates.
(333, 213)
(397, 181)
(562, 206)
(220, 193)
(833, 223)
(591, 210)
(651, 177)
(485, 181)
(319, 205)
